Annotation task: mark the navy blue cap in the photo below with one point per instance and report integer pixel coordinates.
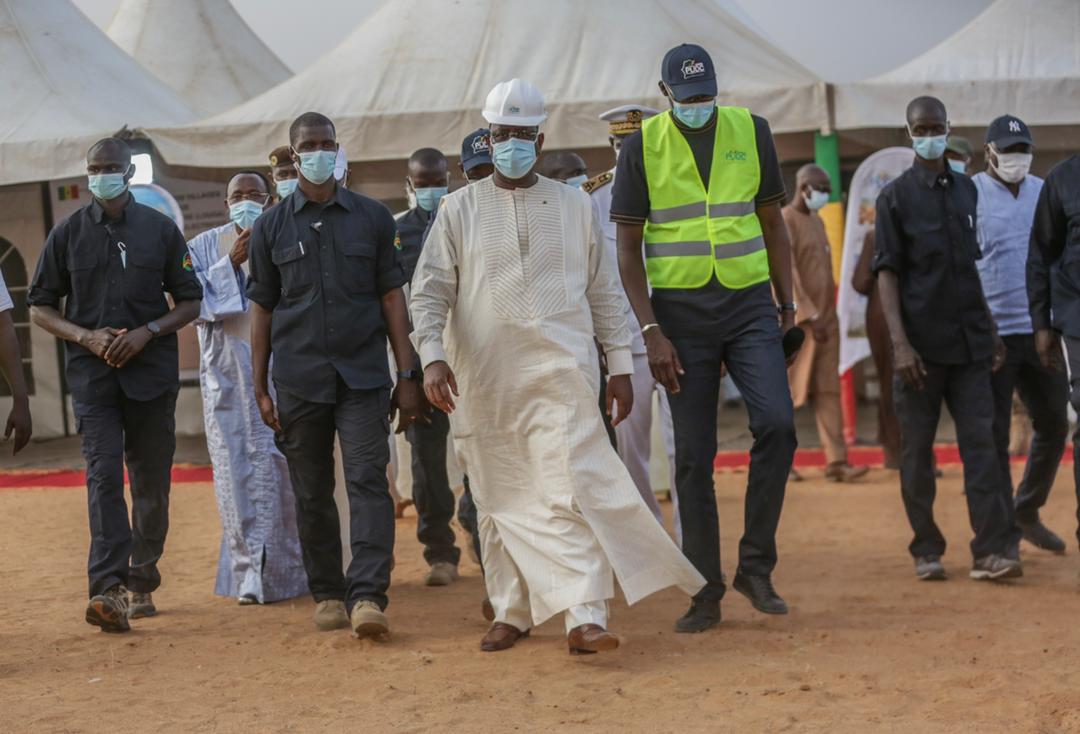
(688, 72)
(475, 149)
(1008, 130)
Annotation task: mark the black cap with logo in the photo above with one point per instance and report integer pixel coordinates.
(1008, 130)
(688, 72)
(475, 150)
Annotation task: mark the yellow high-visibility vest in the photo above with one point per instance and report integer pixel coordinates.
(693, 231)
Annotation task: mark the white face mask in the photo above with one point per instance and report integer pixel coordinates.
(1011, 167)
(816, 199)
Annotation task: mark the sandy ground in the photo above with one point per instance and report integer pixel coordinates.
(866, 647)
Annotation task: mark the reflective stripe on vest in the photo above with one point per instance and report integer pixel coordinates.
(691, 232)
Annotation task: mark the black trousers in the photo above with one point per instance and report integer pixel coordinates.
(965, 389)
(1072, 351)
(1045, 394)
(755, 360)
(361, 420)
(431, 489)
(141, 433)
(467, 517)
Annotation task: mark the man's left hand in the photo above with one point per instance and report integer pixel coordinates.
(1000, 352)
(787, 323)
(127, 346)
(408, 400)
(19, 423)
(620, 391)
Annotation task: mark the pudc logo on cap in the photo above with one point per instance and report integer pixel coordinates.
(480, 145)
(692, 68)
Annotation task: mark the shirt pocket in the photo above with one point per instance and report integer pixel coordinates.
(144, 274)
(928, 237)
(358, 267)
(84, 269)
(292, 263)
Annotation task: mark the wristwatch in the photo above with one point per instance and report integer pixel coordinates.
(408, 375)
(787, 307)
(154, 329)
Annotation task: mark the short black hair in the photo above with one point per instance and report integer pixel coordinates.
(257, 174)
(928, 103)
(427, 157)
(120, 145)
(309, 119)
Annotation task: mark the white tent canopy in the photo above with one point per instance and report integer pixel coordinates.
(417, 71)
(1018, 56)
(65, 85)
(202, 49)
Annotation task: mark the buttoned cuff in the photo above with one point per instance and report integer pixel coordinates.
(432, 352)
(620, 362)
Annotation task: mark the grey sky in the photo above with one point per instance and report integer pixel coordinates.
(840, 40)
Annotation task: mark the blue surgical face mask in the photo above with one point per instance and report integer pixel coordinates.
(931, 147)
(318, 166)
(428, 197)
(577, 181)
(244, 213)
(957, 166)
(694, 114)
(286, 186)
(107, 186)
(514, 158)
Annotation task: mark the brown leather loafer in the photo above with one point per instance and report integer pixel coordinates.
(501, 636)
(487, 610)
(591, 638)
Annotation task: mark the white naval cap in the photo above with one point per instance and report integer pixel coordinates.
(627, 119)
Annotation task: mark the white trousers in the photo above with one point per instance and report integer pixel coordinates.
(634, 436)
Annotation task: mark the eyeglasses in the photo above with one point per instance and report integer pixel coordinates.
(521, 134)
(257, 198)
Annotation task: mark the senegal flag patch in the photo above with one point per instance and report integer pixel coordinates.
(397, 240)
(186, 263)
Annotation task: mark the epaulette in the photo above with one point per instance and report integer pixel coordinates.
(597, 181)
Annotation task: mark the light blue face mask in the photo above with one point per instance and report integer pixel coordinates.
(318, 166)
(514, 158)
(577, 181)
(694, 114)
(286, 186)
(931, 147)
(957, 166)
(107, 186)
(244, 213)
(428, 197)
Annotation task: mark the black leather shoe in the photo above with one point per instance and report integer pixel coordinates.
(759, 590)
(1041, 536)
(703, 614)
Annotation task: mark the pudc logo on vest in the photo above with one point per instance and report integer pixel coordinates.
(692, 68)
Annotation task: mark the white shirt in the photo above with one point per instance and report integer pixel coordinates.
(5, 297)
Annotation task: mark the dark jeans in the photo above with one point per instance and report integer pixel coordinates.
(755, 360)
(965, 389)
(361, 420)
(431, 489)
(1045, 394)
(1072, 351)
(467, 517)
(142, 433)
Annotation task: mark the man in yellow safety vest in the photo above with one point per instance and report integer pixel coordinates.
(701, 185)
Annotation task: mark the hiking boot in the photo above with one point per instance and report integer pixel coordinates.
(841, 471)
(929, 568)
(1042, 537)
(759, 590)
(993, 567)
(442, 574)
(330, 615)
(142, 605)
(368, 620)
(703, 614)
(109, 610)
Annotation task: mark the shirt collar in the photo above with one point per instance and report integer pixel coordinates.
(339, 198)
(97, 211)
(929, 178)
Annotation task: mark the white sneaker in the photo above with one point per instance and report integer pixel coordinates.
(368, 620)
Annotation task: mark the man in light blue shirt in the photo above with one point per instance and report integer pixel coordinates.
(1007, 199)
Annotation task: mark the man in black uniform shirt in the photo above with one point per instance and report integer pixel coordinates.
(325, 287)
(944, 342)
(427, 183)
(113, 261)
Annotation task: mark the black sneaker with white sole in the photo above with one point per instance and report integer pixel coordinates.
(109, 610)
(929, 568)
(994, 567)
(1042, 537)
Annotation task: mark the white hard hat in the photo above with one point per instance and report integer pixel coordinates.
(515, 102)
